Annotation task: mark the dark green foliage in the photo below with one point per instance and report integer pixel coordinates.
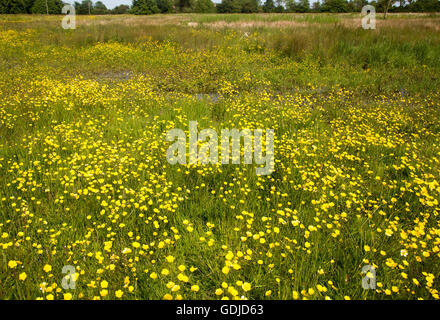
(334, 6)
(237, 6)
(88, 7)
(11, 6)
(53, 6)
(185, 5)
(30, 6)
(249, 6)
(121, 9)
(269, 6)
(300, 6)
(165, 6)
(99, 8)
(226, 6)
(303, 6)
(204, 6)
(425, 6)
(356, 5)
(85, 7)
(279, 8)
(229, 6)
(316, 6)
(145, 7)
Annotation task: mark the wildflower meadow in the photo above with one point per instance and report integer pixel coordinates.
(91, 207)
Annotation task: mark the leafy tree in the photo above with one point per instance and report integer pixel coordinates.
(185, 5)
(249, 6)
(303, 6)
(204, 6)
(279, 9)
(358, 4)
(165, 6)
(334, 6)
(386, 5)
(121, 9)
(316, 6)
(145, 7)
(300, 6)
(229, 6)
(16, 6)
(85, 7)
(99, 8)
(290, 5)
(53, 6)
(425, 6)
(279, 6)
(27, 5)
(269, 6)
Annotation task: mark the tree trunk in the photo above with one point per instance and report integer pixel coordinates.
(385, 11)
(47, 8)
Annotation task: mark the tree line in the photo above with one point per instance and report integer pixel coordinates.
(226, 6)
(55, 6)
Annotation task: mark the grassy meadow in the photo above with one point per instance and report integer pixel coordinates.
(85, 182)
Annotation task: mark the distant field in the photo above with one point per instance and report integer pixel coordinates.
(85, 181)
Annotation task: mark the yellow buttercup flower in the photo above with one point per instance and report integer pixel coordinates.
(47, 268)
(225, 270)
(103, 292)
(246, 286)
